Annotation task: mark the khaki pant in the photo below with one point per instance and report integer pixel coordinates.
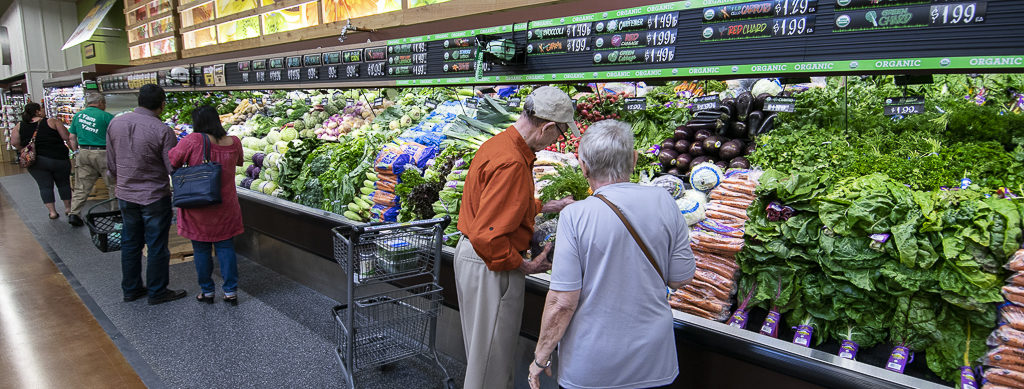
(491, 309)
(90, 165)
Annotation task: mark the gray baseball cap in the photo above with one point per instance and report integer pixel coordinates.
(550, 103)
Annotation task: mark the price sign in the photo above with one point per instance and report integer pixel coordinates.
(309, 101)
(259, 64)
(375, 54)
(661, 38)
(287, 101)
(907, 105)
(635, 103)
(957, 14)
(666, 20)
(375, 69)
(311, 60)
(378, 102)
(460, 54)
(275, 76)
(577, 45)
(332, 72)
(707, 103)
(659, 54)
(515, 102)
(352, 71)
(793, 26)
(312, 74)
(335, 57)
(551, 47)
(471, 103)
(779, 104)
(349, 101)
(759, 9)
(458, 42)
(294, 74)
(261, 76)
(244, 66)
(245, 78)
(294, 62)
(430, 104)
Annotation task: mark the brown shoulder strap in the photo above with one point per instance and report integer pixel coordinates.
(636, 237)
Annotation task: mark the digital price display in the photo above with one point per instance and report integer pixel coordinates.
(375, 54)
(459, 67)
(781, 27)
(569, 31)
(408, 59)
(311, 60)
(418, 70)
(352, 56)
(332, 58)
(636, 39)
(937, 15)
(549, 47)
(631, 56)
(408, 48)
(376, 69)
(578, 45)
(760, 9)
(950, 14)
(460, 54)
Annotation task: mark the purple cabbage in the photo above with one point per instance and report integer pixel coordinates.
(257, 159)
(247, 182)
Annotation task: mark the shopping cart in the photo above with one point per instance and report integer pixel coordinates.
(104, 226)
(375, 330)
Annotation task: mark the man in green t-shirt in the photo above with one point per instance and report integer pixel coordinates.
(89, 136)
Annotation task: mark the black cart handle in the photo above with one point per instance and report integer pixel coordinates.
(88, 221)
(374, 227)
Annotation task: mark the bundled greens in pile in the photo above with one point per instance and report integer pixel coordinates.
(870, 260)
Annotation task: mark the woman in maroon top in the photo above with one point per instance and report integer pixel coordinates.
(213, 227)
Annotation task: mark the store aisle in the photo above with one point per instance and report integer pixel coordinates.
(280, 335)
(48, 337)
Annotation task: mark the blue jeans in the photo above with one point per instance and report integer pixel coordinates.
(145, 225)
(204, 264)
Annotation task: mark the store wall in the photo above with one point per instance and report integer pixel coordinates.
(38, 29)
(111, 46)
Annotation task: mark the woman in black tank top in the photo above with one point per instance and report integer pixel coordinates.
(52, 166)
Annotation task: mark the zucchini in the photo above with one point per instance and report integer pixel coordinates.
(352, 216)
(366, 191)
(369, 184)
(362, 203)
(371, 176)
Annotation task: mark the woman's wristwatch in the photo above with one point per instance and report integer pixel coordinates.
(544, 366)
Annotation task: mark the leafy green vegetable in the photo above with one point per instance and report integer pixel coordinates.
(569, 181)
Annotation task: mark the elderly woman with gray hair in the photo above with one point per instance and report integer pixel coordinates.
(614, 254)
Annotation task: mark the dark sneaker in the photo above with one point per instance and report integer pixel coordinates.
(134, 296)
(169, 295)
(75, 220)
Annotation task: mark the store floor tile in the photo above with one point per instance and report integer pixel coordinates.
(280, 335)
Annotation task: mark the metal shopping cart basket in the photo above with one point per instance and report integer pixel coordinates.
(104, 226)
(374, 330)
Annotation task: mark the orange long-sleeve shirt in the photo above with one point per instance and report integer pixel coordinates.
(498, 208)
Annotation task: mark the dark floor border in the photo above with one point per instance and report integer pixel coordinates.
(134, 358)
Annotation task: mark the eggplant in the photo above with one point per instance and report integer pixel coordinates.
(712, 126)
(712, 144)
(722, 165)
(683, 133)
(760, 100)
(683, 161)
(668, 144)
(750, 149)
(666, 157)
(731, 104)
(755, 120)
(674, 171)
(696, 149)
(768, 124)
(728, 110)
(698, 161)
(731, 149)
(737, 130)
(701, 135)
(682, 146)
(739, 163)
(744, 106)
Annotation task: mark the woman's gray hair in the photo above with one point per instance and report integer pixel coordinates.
(607, 149)
(95, 99)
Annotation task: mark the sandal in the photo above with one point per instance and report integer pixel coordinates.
(204, 298)
(233, 300)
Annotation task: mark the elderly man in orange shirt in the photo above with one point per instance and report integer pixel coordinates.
(496, 219)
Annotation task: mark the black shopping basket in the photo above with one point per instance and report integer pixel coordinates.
(104, 226)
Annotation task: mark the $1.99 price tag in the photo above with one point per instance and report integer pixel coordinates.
(909, 105)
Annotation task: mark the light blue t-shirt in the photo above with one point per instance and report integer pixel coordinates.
(621, 334)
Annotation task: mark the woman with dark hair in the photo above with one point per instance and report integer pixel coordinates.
(211, 228)
(53, 165)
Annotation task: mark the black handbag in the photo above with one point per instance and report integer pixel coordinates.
(197, 186)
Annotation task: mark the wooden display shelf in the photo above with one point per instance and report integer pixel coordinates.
(159, 58)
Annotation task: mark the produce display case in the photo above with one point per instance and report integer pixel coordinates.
(833, 120)
(152, 31)
(10, 115)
